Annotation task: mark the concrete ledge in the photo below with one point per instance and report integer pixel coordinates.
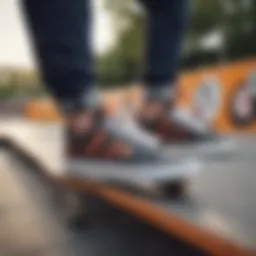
(145, 210)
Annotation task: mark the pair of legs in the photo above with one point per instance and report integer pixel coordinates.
(61, 31)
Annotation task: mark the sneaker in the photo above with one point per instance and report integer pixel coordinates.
(181, 133)
(111, 147)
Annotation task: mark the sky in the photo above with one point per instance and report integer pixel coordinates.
(14, 43)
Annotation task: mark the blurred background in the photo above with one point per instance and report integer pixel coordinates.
(217, 74)
(218, 31)
(217, 60)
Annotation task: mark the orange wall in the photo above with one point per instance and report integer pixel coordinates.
(229, 77)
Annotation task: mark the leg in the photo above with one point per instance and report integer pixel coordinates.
(167, 19)
(60, 30)
(166, 23)
(95, 140)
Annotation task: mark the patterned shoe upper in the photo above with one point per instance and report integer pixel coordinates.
(156, 117)
(92, 133)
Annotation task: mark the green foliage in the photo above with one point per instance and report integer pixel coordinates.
(237, 23)
(241, 32)
(7, 91)
(14, 87)
(122, 64)
(204, 16)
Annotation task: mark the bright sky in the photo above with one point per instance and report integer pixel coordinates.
(14, 45)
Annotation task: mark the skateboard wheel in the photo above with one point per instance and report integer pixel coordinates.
(174, 189)
(75, 210)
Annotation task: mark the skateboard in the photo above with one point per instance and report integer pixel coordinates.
(189, 223)
(76, 193)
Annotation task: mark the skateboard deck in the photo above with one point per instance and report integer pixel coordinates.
(218, 216)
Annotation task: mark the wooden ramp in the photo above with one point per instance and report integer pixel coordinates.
(218, 216)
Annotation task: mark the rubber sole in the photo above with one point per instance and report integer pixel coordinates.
(209, 150)
(158, 172)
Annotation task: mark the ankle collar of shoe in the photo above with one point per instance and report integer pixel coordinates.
(159, 93)
(90, 100)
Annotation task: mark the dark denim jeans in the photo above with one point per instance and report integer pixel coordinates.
(60, 30)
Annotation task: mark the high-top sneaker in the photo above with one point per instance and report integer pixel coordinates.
(111, 147)
(181, 133)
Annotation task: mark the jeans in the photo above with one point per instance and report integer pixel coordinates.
(60, 32)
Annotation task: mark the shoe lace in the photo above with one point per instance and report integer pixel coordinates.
(124, 123)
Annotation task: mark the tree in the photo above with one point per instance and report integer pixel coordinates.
(234, 20)
(121, 64)
(241, 30)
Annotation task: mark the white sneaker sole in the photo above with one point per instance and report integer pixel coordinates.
(105, 171)
(221, 148)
